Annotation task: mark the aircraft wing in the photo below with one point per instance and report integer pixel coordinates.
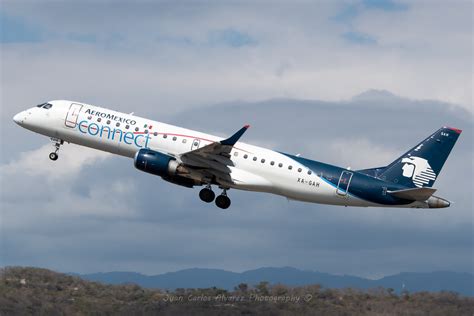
(215, 157)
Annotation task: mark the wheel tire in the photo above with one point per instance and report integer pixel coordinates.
(223, 202)
(207, 195)
(53, 156)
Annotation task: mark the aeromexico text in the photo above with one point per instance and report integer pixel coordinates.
(139, 139)
(112, 117)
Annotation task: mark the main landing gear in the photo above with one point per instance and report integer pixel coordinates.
(207, 195)
(57, 144)
(223, 200)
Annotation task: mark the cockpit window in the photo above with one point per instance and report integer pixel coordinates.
(47, 106)
(40, 105)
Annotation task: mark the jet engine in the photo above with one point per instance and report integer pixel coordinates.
(162, 165)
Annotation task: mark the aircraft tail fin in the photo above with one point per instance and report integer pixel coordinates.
(419, 167)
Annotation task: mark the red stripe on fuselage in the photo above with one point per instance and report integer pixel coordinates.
(188, 136)
(171, 134)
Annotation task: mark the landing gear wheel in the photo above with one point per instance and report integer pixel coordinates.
(207, 195)
(57, 144)
(223, 202)
(53, 156)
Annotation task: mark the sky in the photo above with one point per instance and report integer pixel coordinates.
(362, 81)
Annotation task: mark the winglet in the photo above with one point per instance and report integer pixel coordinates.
(457, 130)
(234, 138)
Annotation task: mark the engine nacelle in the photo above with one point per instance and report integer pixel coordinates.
(162, 165)
(155, 163)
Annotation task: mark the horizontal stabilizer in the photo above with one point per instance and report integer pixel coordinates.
(418, 194)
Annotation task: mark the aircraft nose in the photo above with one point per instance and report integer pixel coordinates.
(20, 118)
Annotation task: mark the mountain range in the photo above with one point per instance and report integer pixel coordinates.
(462, 283)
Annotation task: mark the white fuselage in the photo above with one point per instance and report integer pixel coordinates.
(254, 168)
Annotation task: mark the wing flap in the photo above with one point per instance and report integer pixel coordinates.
(201, 162)
(417, 194)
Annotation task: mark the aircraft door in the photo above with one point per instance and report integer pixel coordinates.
(73, 115)
(195, 144)
(344, 182)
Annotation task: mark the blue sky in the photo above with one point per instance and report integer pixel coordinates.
(17, 30)
(349, 12)
(178, 63)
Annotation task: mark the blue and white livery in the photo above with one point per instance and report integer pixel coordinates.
(190, 158)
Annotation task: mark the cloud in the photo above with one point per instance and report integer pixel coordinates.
(151, 53)
(58, 189)
(36, 163)
(348, 11)
(232, 38)
(359, 153)
(188, 64)
(387, 5)
(98, 213)
(81, 37)
(359, 38)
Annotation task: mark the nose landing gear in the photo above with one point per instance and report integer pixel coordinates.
(57, 144)
(53, 156)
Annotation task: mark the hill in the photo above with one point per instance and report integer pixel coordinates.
(462, 283)
(26, 291)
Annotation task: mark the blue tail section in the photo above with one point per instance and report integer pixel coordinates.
(420, 166)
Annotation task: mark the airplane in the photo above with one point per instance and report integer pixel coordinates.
(190, 158)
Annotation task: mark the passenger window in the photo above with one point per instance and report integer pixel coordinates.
(136, 129)
(118, 124)
(290, 167)
(146, 131)
(299, 169)
(175, 138)
(272, 163)
(108, 122)
(246, 156)
(236, 154)
(263, 160)
(155, 134)
(165, 136)
(254, 158)
(280, 165)
(184, 140)
(309, 172)
(99, 119)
